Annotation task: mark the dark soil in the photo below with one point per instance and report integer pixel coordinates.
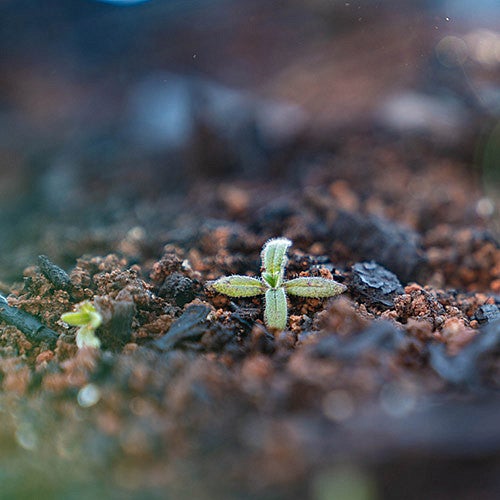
(192, 396)
(389, 391)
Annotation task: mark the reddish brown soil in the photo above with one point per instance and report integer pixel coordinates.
(230, 410)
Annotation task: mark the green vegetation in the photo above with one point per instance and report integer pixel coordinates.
(273, 285)
(88, 319)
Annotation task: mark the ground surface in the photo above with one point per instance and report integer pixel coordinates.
(394, 383)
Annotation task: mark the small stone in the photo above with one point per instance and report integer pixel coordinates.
(487, 313)
(179, 288)
(375, 284)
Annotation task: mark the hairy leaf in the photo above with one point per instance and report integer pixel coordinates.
(275, 314)
(274, 256)
(238, 286)
(273, 280)
(314, 287)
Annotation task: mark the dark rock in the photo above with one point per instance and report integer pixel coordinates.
(57, 276)
(28, 324)
(191, 325)
(487, 313)
(374, 284)
(395, 247)
(178, 288)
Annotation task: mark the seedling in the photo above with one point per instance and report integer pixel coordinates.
(274, 286)
(88, 319)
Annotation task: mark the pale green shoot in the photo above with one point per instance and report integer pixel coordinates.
(273, 285)
(88, 319)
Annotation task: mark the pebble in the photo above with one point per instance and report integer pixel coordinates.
(178, 287)
(375, 284)
(487, 313)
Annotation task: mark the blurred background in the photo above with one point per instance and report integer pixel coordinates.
(111, 111)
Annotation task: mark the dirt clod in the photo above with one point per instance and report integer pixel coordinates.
(375, 284)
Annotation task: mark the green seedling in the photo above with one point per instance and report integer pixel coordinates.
(274, 286)
(88, 319)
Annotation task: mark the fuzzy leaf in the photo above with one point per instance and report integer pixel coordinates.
(238, 286)
(274, 257)
(276, 311)
(273, 280)
(314, 287)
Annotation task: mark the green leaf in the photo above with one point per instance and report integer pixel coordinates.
(274, 257)
(88, 319)
(238, 286)
(314, 287)
(95, 318)
(76, 318)
(85, 314)
(272, 280)
(276, 311)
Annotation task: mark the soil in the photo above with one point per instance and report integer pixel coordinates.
(394, 383)
(389, 391)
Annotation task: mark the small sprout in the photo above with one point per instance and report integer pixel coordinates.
(88, 319)
(273, 285)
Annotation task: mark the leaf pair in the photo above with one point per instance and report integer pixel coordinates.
(274, 286)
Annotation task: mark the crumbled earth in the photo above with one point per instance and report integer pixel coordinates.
(191, 395)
